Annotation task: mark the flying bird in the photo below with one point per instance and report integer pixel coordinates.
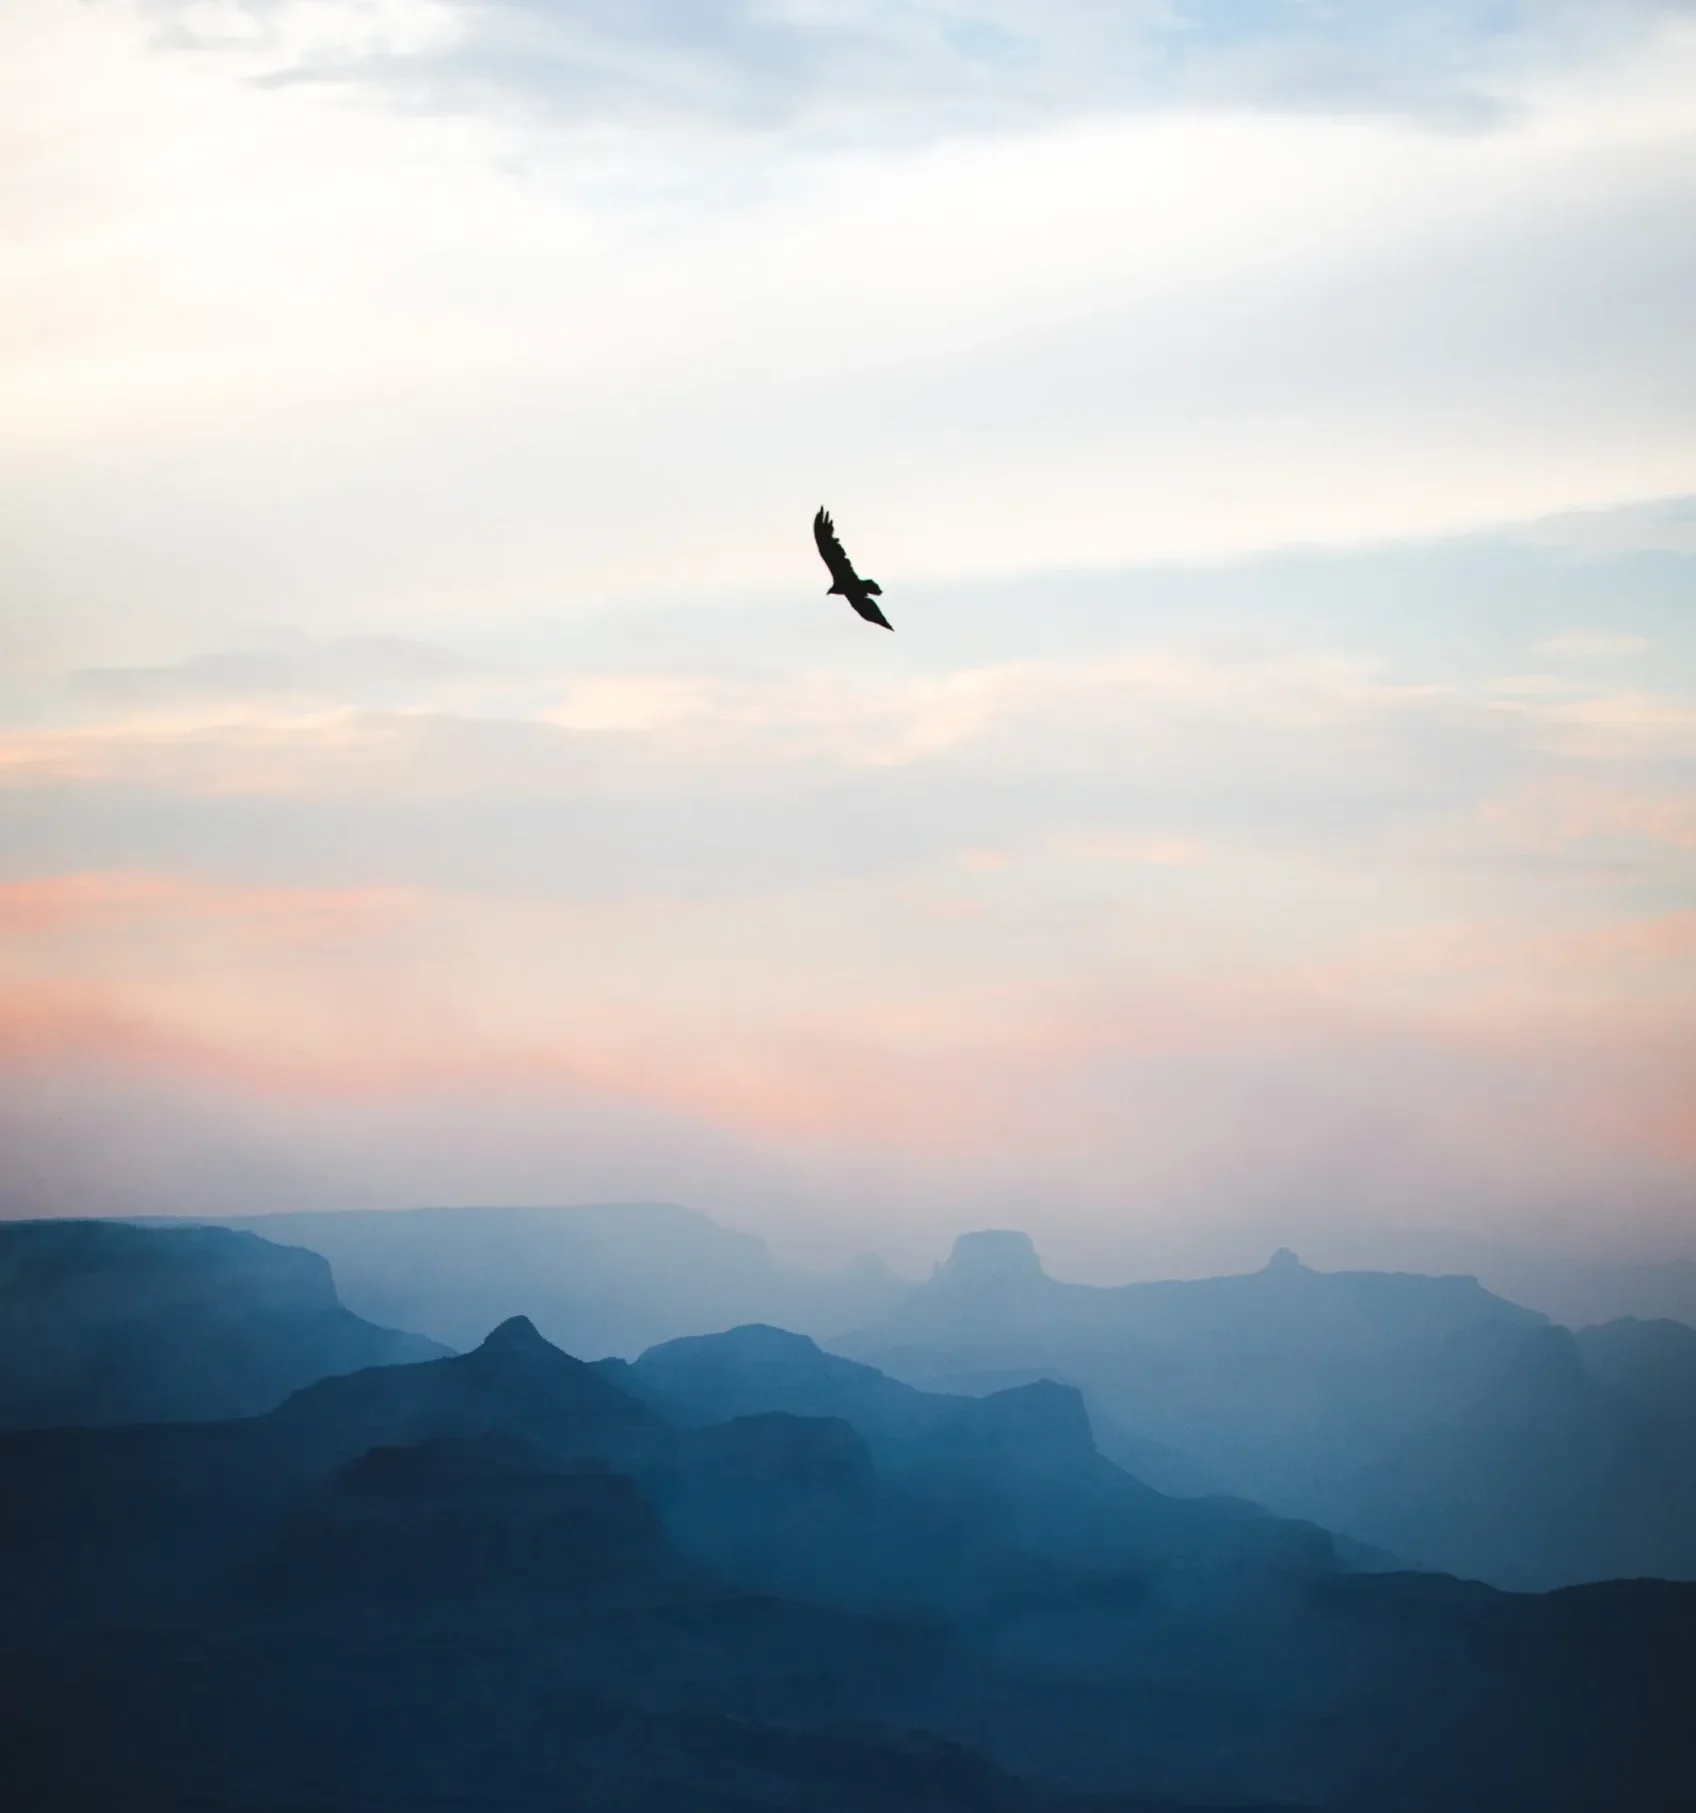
(859, 592)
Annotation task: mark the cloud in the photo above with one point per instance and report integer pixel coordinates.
(1583, 813)
(837, 71)
(501, 375)
(1591, 645)
(344, 670)
(55, 905)
(1316, 714)
(1657, 526)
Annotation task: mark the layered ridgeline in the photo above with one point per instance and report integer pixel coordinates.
(745, 1574)
(1422, 1415)
(105, 1323)
(598, 1279)
(1426, 1416)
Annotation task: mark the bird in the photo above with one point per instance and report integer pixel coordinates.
(859, 592)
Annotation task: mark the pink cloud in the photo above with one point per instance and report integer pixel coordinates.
(1518, 1071)
(46, 905)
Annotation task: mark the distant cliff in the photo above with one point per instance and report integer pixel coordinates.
(102, 1323)
(598, 1279)
(1422, 1415)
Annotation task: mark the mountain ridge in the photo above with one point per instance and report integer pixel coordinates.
(599, 1278)
(102, 1323)
(413, 1572)
(1425, 1416)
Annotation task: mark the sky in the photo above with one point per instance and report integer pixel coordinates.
(431, 771)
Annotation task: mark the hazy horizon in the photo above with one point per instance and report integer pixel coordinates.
(430, 769)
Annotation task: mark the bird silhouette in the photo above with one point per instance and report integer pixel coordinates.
(859, 592)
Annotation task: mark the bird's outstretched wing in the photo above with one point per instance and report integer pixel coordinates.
(859, 592)
(835, 555)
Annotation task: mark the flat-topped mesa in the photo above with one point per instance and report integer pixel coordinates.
(102, 1322)
(991, 1285)
(996, 1256)
(1043, 1422)
(991, 1282)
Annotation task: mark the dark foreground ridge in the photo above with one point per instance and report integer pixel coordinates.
(746, 1575)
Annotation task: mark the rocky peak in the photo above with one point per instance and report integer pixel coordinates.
(516, 1336)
